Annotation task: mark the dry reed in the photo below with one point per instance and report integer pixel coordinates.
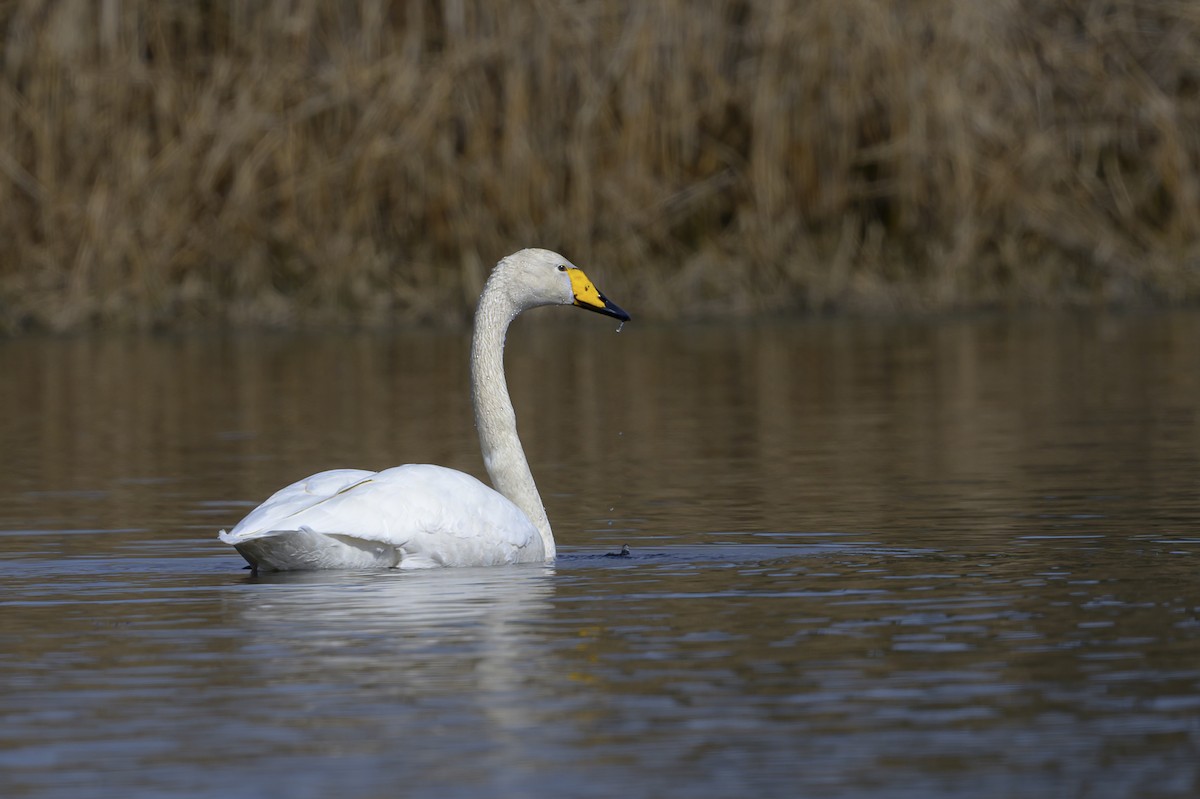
(294, 163)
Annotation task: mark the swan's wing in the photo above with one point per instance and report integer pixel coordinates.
(290, 501)
(430, 515)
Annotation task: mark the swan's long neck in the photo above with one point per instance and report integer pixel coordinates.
(494, 416)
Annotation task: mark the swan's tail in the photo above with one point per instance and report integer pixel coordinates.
(305, 550)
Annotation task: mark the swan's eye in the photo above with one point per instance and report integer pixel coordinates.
(562, 267)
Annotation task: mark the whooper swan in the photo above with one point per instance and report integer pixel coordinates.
(418, 515)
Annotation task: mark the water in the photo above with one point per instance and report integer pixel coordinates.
(896, 560)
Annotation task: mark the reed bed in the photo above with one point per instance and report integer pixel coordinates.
(166, 163)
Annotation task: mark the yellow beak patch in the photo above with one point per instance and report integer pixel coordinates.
(584, 290)
(588, 296)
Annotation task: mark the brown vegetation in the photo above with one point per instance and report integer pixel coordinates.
(289, 163)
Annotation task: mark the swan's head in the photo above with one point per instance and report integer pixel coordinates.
(536, 277)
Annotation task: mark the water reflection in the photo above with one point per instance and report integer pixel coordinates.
(833, 427)
(416, 643)
(383, 626)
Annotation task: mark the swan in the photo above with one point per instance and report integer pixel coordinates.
(420, 515)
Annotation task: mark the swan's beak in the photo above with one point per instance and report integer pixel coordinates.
(588, 297)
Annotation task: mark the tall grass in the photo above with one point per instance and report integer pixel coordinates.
(165, 162)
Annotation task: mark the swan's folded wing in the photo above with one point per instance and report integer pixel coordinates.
(288, 502)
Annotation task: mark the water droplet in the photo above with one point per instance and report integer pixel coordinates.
(620, 326)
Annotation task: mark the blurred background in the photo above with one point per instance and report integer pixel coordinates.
(170, 164)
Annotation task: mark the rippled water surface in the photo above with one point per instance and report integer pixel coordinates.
(896, 560)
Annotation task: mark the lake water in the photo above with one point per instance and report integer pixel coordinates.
(867, 559)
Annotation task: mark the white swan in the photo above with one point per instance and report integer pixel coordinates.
(418, 515)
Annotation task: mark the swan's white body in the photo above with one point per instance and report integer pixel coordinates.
(420, 516)
(412, 516)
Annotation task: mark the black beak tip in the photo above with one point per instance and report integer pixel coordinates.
(609, 309)
(616, 312)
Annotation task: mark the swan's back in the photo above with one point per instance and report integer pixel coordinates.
(411, 516)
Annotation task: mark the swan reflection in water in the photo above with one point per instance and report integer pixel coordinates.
(466, 640)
